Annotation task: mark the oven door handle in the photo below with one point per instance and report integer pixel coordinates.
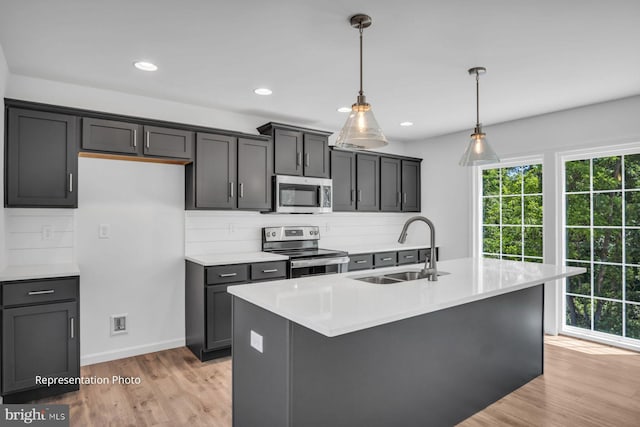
(319, 261)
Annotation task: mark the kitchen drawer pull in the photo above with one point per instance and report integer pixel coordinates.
(271, 270)
(408, 256)
(71, 183)
(146, 138)
(73, 327)
(306, 160)
(386, 259)
(231, 189)
(228, 274)
(298, 159)
(48, 291)
(362, 261)
(135, 138)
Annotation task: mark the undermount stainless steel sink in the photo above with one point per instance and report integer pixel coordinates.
(402, 276)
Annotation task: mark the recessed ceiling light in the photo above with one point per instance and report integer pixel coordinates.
(406, 124)
(145, 66)
(344, 109)
(263, 91)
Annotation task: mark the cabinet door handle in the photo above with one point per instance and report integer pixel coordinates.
(386, 259)
(271, 270)
(306, 159)
(146, 139)
(298, 159)
(361, 261)
(70, 182)
(228, 274)
(231, 189)
(404, 198)
(359, 195)
(48, 291)
(135, 138)
(73, 328)
(408, 256)
(241, 189)
(353, 195)
(398, 198)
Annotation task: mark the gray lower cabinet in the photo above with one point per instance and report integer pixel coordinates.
(40, 337)
(343, 174)
(408, 257)
(410, 186)
(368, 261)
(208, 305)
(41, 163)
(385, 259)
(360, 262)
(230, 173)
(367, 182)
(390, 184)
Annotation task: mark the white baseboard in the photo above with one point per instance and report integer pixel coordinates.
(90, 359)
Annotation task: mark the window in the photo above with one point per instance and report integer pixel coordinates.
(512, 213)
(602, 234)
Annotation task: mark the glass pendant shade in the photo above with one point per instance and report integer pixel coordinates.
(478, 151)
(361, 130)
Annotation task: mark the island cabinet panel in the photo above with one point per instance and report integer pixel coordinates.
(41, 163)
(111, 136)
(165, 142)
(307, 379)
(368, 182)
(410, 186)
(343, 173)
(390, 184)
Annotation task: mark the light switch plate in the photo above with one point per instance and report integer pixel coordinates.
(256, 341)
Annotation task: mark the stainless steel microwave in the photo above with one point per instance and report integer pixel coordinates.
(299, 194)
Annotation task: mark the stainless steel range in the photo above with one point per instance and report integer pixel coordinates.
(300, 244)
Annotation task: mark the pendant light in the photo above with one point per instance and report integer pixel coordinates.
(479, 151)
(361, 130)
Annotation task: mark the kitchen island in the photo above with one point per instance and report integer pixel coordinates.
(336, 351)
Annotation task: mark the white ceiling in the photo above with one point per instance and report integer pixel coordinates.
(541, 56)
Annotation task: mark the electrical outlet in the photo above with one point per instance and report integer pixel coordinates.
(104, 231)
(118, 324)
(47, 232)
(256, 341)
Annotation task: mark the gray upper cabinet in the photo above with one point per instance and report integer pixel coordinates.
(230, 173)
(343, 173)
(390, 184)
(316, 155)
(288, 152)
(111, 136)
(41, 159)
(411, 186)
(367, 182)
(255, 171)
(298, 151)
(211, 180)
(165, 142)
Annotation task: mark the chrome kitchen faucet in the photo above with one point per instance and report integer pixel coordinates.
(430, 269)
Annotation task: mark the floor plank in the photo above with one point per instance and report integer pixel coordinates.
(584, 384)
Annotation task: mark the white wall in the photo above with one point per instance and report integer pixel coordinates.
(4, 75)
(447, 187)
(212, 232)
(139, 270)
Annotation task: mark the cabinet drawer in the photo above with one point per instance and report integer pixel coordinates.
(424, 253)
(227, 274)
(408, 257)
(360, 262)
(384, 259)
(269, 270)
(39, 291)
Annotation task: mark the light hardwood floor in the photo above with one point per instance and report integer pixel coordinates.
(584, 384)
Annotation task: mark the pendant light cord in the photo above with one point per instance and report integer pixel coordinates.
(360, 29)
(477, 99)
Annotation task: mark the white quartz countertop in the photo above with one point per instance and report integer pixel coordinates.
(337, 304)
(42, 271)
(361, 249)
(208, 260)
